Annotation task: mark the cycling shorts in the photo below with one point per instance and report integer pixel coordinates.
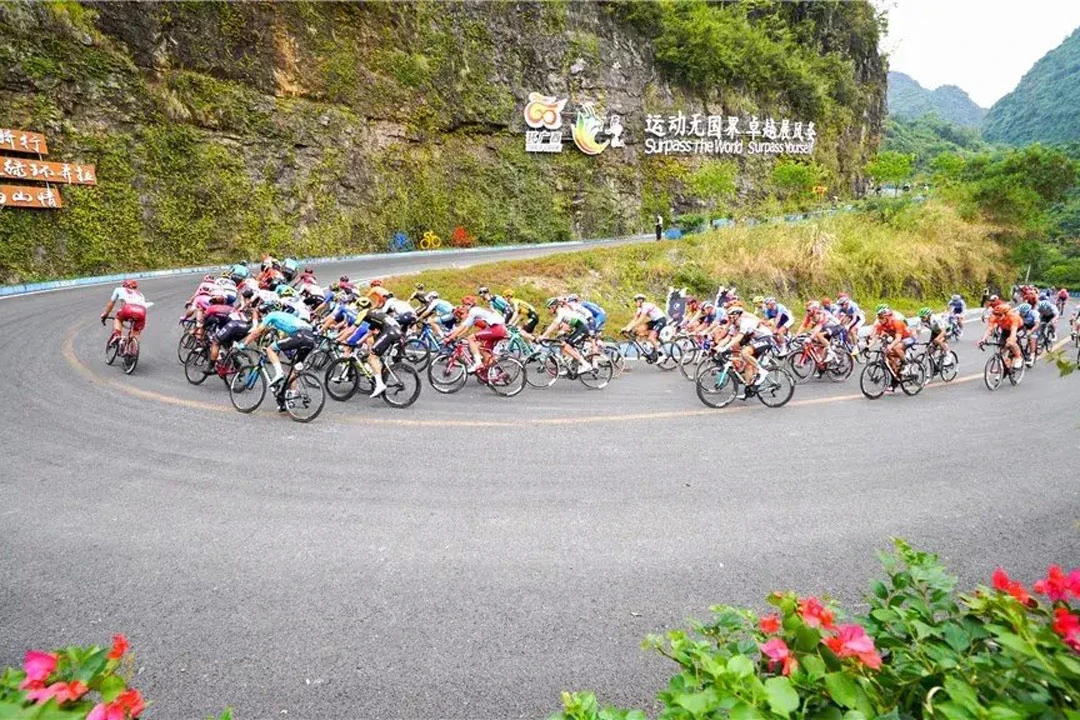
(232, 331)
(448, 321)
(300, 343)
(386, 340)
(135, 313)
(579, 333)
(532, 319)
(657, 325)
(491, 335)
(405, 320)
(759, 346)
(358, 334)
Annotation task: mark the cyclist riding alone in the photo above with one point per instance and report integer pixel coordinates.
(490, 325)
(937, 328)
(384, 332)
(1007, 322)
(299, 338)
(132, 307)
(647, 323)
(897, 335)
(525, 318)
(1062, 298)
(568, 320)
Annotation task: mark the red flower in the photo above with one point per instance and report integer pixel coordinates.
(1067, 626)
(815, 614)
(777, 651)
(852, 641)
(1057, 585)
(62, 691)
(1003, 583)
(769, 624)
(119, 647)
(131, 700)
(38, 666)
(102, 711)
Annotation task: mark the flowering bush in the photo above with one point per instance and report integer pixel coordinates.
(923, 651)
(75, 683)
(462, 238)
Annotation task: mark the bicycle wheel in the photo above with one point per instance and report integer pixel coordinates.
(185, 345)
(670, 354)
(994, 372)
(600, 375)
(801, 363)
(417, 354)
(616, 358)
(447, 374)
(506, 376)
(402, 385)
(318, 360)
(777, 388)
(342, 378)
(873, 380)
(112, 347)
(304, 400)
(912, 378)
(840, 369)
(538, 372)
(248, 388)
(194, 365)
(131, 356)
(1017, 374)
(716, 386)
(948, 371)
(689, 361)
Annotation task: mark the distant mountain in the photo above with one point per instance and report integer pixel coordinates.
(910, 100)
(1045, 106)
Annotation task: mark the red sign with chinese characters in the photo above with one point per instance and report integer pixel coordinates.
(26, 196)
(23, 141)
(41, 171)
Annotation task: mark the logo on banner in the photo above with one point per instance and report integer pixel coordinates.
(544, 115)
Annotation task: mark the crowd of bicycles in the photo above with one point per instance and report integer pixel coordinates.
(275, 329)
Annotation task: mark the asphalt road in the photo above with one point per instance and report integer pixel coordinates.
(472, 556)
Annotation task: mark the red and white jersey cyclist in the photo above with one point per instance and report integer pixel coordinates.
(132, 307)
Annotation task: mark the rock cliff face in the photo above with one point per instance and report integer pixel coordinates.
(223, 130)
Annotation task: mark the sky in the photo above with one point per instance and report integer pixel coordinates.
(983, 46)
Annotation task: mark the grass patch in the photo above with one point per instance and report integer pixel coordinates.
(921, 256)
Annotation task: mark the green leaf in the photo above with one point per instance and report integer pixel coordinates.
(781, 695)
(1013, 642)
(740, 666)
(745, 711)
(854, 715)
(963, 694)
(91, 665)
(842, 689)
(697, 703)
(806, 638)
(956, 637)
(111, 686)
(879, 589)
(1003, 712)
(813, 665)
(827, 714)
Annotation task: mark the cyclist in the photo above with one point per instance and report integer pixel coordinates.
(828, 306)
(525, 317)
(497, 302)
(937, 329)
(647, 323)
(289, 268)
(291, 302)
(383, 333)
(779, 318)
(1048, 315)
(1008, 322)
(438, 313)
(1027, 331)
(593, 313)
(956, 309)
(570, 321)
(299, 338)
(1062, 298)
(752, 338)
(239, 272)
(401, 311)
(491, 326)
(199, 299)
(894, 329)
(132, 307)
(377, 293)
(852, 318)
(236, 326)
(1029, 294)
(822, 326)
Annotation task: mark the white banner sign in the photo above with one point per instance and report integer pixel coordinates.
(700, 134)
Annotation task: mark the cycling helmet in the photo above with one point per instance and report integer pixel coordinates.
(812, 305)
(468, 301)
(1044, 295)
(389, 295)
(224, 282)
(1000, 308)
(375, 282)
(247, 293)
(955, 298)
(433, 295)
(759, 299)
(882, 309)
(924, 312)
(639, 296)
(417, 287)
(208, 278)
(826, 301)
(483, 290)
(284, 291)
(842, 298)
(308, 270)
(572, 297)
(551, 302)
(692, 302)
(1023, 308)
(769, 300)
(271, 306)
(508, 294)
(735, 308)
(460, 311)
(708, 307)
(131, 284)
(363, 303)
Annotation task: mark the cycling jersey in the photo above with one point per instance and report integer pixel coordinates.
(781, 315)
(439, 307)
(1047, 310)
(523, 308)
(893, 326)
(343, 313)
(128, 297)
(397, 307)
(957, 308)
(1008, 321)
(572, 318)
(380, 320)
(482, 317)
(596, 311)
(852, 311)
(501, 306)
(377, 295)
(1028, 318)
(284, 322)
(297, 307)
(936, 327)
(650, 311)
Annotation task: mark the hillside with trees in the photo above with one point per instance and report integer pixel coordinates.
(909, 100)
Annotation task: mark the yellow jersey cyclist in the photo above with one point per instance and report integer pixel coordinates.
(383, 333)
(569, 321)
(524, 318)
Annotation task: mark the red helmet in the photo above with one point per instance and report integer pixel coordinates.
(376, 283)
(826, 301)
(468, 301)
(460, 311)
(131, 284)
(209, 278)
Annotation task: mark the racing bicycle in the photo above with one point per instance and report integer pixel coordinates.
(299, 393)
(720, 382)
(350, 374)
(449, 372)
(878, 375)
(546, 365)
(123, 345)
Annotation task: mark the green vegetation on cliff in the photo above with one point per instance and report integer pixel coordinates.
(226, 129)
(909, 100)
(1043, 107)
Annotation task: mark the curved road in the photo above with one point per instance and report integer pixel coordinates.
(472, 556)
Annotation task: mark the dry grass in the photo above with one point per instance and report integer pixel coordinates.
(921, 256)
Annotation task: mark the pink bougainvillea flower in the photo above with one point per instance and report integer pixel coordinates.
(852, 641)
(38, 666)
(769, 624)
(104, 711)
(119, 647)
(62, 691)
(777, 651)
(1067, 626)
(1057, 585)
(815, 614)
(1003, 583)
(131, 700)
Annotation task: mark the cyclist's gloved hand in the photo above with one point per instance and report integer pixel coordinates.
(103, 318)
